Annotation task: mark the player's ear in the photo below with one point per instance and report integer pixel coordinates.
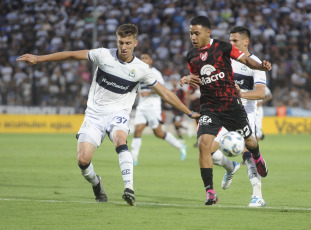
(136, 43)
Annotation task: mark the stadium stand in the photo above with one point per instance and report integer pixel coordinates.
(280, 33)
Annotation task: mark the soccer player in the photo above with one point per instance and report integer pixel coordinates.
(210, 67)
(259, 114)
(111, 97)
(251, 86)
(178, 116)
(148, 112)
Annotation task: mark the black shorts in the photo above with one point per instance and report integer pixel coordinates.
(232, 120)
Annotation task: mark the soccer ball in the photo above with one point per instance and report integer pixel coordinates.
(232, 144)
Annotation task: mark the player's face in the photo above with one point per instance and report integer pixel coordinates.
(126, 47)
(239, 41)
(146, 58)
(199, 35)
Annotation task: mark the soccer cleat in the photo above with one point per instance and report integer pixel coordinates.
(99, 192)
(129, 197)
(183, 152)
(211, 197)
(261, 166)
(257, 202)
(227, 180)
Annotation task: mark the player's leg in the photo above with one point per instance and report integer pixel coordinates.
(136, 142)
(220, 159)
(206, 167)
(118, 129)
(253, 175)
(177, 121)
(140, 123)
(208, 127)
(258, 121)
(252, 145)
(89, 138)
(169, 138)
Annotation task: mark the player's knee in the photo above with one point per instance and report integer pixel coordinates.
(251, 143)
(160, 134)
(83, 158)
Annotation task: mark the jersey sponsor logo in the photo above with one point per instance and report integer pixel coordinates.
(205, 120)
(241, 82)
(114, 83)
(203, 56)
(207, 70)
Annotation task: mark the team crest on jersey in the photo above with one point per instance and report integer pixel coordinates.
(244, 68)
(132, 73)
(203, 56)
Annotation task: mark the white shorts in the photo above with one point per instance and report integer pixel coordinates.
(96, 127)
(151, 117)
(251, 120)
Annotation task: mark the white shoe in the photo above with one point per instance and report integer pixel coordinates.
(257, 202)
(227, 180)
(183, 152)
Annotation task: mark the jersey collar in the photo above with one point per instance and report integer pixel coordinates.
(208, 45)
(122, 62)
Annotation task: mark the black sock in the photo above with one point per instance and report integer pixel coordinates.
(255, 152)
(207, 177)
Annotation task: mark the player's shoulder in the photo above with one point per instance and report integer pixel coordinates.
(156, 71)
(192, 52)
(140, 63)
(221, 43)
(103, 51)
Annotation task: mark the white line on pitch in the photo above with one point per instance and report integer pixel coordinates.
(157, 204)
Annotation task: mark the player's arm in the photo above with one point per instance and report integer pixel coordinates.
(265, 100)
(169, 97)
(60, 56)
(251, 63)
(256, 94)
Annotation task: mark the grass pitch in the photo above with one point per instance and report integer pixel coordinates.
(41, 187)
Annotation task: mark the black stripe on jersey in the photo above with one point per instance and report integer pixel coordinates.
(155, 82)
(113, 83)
(245, 82)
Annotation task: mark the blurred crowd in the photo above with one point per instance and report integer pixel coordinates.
(280, 33)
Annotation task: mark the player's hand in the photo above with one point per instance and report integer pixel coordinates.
(193, 80)
(195, 115)
(29, 59)
(266, 65)
(238, 89)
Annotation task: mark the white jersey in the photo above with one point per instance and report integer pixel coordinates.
(115, 83)
(152, 101)
(247, 78)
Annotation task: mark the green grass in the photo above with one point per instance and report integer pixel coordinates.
(41, 187)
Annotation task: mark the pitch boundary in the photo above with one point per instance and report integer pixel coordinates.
(158, 204)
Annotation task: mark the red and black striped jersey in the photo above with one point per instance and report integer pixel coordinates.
(212, 63)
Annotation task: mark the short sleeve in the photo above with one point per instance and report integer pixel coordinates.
(94, 54)
(235, 53)
(149, 77)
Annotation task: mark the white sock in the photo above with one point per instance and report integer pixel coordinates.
(90, 175)
(126, 166)
(254, 177)
(220, 159)
(135, 147)
(172, 140)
